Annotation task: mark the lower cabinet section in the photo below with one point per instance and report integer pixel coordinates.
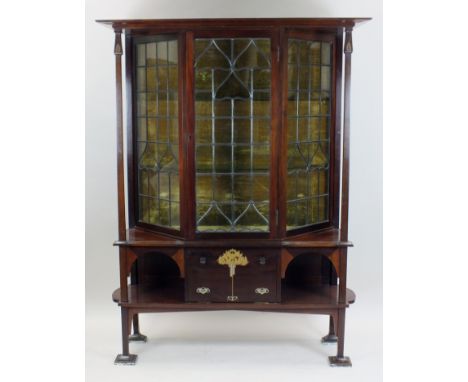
(232, 275)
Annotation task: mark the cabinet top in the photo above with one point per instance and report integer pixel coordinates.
(132, 24)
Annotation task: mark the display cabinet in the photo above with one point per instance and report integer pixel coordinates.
(233, 173)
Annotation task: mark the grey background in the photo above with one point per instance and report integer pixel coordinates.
(286, 346)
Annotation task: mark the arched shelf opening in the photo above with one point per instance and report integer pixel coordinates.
(310, 270)
(155, 269)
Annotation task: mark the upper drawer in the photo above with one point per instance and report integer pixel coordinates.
(232, 275)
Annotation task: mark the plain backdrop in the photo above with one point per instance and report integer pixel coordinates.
(234, 345)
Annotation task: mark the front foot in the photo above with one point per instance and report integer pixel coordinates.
(137, 337)
(329, 339)
(340, 361)
(125, 359)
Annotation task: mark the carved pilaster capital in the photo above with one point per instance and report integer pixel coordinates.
(348, 46)
(118, 50)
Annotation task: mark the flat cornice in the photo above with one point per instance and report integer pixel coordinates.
(135, 24)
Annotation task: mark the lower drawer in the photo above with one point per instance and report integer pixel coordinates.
(231, 275)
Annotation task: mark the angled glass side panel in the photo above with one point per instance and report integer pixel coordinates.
(308, 124)
(232, 134)
(157, 138)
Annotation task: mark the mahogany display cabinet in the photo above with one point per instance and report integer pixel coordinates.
(233, 174)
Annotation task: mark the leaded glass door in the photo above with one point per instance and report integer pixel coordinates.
(156, 83)
(245, 148)
(233, 129)
(309, 102)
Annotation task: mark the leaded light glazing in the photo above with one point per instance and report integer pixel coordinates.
(309, 108)
(232, 134)
(157, 131)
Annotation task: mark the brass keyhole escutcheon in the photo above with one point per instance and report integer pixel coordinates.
(232, 258)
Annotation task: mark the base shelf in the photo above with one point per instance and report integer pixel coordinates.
(170, 297)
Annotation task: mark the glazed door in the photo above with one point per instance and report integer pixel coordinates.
(309, 104)
(154, 64)
(234, 127)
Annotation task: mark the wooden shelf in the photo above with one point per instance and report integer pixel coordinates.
(170, 297)
(326, 238)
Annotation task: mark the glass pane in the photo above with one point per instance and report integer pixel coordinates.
(232, 134)
(158, 136)
(309, 90)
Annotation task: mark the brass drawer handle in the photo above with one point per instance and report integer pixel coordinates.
(262, 291)
(203, 290)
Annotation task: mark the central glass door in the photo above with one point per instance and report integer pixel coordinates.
(232, 134)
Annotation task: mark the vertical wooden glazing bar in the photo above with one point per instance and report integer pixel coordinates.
(131, 132)
(348, 50)
(189, 138)
(337, 128)
(283, 134)
(118, 51)
(184, 197)
(275, 127)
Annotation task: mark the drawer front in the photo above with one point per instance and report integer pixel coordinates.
(227, 275)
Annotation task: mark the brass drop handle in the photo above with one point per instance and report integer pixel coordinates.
(262, 291)
(203, 290)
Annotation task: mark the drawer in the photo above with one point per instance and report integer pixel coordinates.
(254, 275)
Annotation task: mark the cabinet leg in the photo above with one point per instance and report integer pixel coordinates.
(125, 358)
(331, 337)
(340, 359)
(137, 336)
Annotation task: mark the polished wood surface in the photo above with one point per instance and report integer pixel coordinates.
(348, 49)
(260, 272)
(118, 51)
(171, 297)
(229, 23)
(144, 238)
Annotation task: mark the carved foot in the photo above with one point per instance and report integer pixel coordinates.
(137, 337)
(340, 361)
(125, 359)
